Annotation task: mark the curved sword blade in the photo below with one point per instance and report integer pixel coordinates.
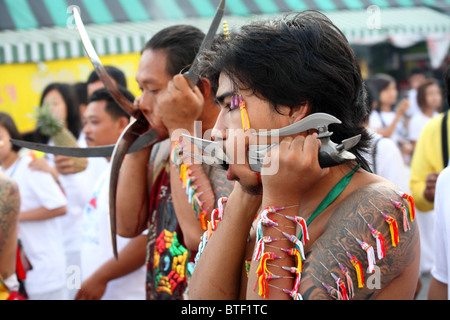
(102, 151)
(192, 74)
(124, 103)
(313, 121)
(125, 141)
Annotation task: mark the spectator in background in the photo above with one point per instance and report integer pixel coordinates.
(94, 83)
(415, 80)
(40, 232)
(386, 120)
(103, 276)
(384, 156)
(429, 158)
(429, 99)
(63, 103)
(439, 289)
(61, 99)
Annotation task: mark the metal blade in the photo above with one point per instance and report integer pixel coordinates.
(128, 137)
(313, 121)
(103, 151)
(349, 143)
(192, 73)
(211, 147)
(124, 103)
(212, 161)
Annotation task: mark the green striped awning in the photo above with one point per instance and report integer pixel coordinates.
(402, 25)
(32, 14)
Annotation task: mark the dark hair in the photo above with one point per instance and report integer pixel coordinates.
(80, 89)
(114, 72)
(8, 123)
(180, 42)
(112, 107)
(288, 61)
(381, 81)
(421, 92)
(73, 113)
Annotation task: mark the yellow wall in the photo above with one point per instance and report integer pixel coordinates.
(21, 85)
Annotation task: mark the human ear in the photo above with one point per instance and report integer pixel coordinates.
(297, 113)
(205, 87)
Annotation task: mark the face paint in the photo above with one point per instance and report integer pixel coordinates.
(238, 101)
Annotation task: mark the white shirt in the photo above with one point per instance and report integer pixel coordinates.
(78, 188)
(413, 105)
(440, 270)
(384, 119)
(97, 247)
(416, 124)
(388, 160)
(42, 239)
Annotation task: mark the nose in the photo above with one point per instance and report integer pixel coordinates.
(218, 132)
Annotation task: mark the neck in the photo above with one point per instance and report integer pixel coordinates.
(428, 111)
(9, 161)
(322, 187)
(385, 107)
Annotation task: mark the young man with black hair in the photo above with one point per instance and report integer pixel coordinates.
(104, 277)
(284, 70)
(150, 193)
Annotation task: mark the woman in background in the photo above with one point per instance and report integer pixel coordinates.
(42, 202)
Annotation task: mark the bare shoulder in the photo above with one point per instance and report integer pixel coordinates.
(372, 228)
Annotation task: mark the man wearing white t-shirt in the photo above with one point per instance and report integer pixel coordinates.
(103, 276)
(439, 289)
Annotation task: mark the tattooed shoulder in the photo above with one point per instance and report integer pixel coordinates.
(373, 227)
(9, 208)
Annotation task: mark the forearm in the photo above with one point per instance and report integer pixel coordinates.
(192, 194)
(279, 233)
(41, 213)
(218, 271)
(187, 217)
(130, 258)
(132, 194)
(437, 290)
(389, 130)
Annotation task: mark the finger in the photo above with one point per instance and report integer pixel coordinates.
(285, 144)
(311, 147)
(180, 82)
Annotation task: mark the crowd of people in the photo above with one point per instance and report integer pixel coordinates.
(188, 230)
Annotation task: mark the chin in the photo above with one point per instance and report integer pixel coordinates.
(247, 178)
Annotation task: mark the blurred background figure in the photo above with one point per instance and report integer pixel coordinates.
(40, 231)
(384, 156)
(94, 83)
(415, 80)
(429, 99)
(103, 276)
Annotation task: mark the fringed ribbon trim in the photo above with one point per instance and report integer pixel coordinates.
(410, 199)
(264, 275)
(400, 206)
(358, 268)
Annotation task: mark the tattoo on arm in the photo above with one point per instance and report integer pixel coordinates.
(9, 209)
(221, 186)
(397, 258)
